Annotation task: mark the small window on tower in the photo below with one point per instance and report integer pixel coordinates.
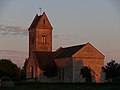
(43, 39)
(43, 21)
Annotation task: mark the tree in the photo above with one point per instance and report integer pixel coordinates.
(86, 73)
(112, 70)
(9, 69)
(23, 70)
(22, 74)
(50, 71)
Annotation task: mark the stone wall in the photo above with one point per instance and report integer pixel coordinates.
(95, 65)
(96, 68)
(30, 64)
(47, 44)
(65, 69)
(77, 65)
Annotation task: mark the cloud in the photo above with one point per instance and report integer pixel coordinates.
(56, 36)
(12, 30)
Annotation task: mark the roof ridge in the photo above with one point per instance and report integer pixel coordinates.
(68, 51)
(74, 46)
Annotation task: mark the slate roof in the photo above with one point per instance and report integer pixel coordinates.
(35, 21)
(68, 51)
(45, 59)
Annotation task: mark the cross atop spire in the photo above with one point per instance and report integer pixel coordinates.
(40, 10)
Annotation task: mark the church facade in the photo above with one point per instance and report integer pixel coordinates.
(67, 60)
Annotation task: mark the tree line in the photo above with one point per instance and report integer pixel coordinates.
(11, 70)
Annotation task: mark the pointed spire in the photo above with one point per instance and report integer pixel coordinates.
(40, 19)
(43, 12)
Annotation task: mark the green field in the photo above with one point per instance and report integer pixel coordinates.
(62, 86)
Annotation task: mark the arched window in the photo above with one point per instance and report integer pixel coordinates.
(32, 72)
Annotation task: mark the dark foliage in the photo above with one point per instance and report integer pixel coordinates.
(50, 71)
(9, 69)
(23, 70)
(86, 73)
(22, 74)
(112, 70)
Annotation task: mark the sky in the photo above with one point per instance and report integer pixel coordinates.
(74, 22)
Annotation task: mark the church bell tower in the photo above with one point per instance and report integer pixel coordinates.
(40, 34)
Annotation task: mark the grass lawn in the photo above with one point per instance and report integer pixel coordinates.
(65, 86)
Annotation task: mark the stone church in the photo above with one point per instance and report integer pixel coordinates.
(68, 60)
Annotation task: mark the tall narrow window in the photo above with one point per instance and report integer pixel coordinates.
(43, 39)
(43, 21)
(62, 74)
(33, 39)
(32, 71)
